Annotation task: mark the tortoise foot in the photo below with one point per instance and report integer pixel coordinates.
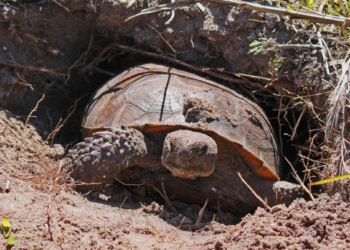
(188, 154)
(101, 157)
(286, 192)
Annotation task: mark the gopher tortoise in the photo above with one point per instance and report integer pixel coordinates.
(183, 134)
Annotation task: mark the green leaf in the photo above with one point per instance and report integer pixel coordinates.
(257, 52)
(289, 8)
(7, 232)
(329, 180)
(12, 240)
(6, 227)
(254, 43)
(310, 4)
(5, 222)
(254, 51)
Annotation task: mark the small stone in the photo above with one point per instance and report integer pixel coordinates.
(122, 153)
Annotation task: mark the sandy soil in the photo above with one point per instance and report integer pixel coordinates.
(46, 214)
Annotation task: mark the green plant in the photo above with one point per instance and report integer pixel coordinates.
(6, 230)
(276, 62)
(329, 180)
(334, 7)
(308, 4)
(257, 46)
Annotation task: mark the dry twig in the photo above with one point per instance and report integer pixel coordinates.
(155, 229)
(322, 43)
(32, 68)
(80, 60)
(165, 197)
(129, 184)
(338, 98)
(172, 237)
(201, 212)
(61, 5)
(264, 203)
(124, 200)
(240, 82)
(163, 39)
(296, 176)
(61, 122)
(298, 122)
(34, 109)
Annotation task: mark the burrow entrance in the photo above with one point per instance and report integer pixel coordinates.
(217, 40)
(68, 104)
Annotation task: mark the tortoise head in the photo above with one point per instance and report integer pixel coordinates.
(189, 154)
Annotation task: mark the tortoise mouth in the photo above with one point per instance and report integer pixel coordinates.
(256, 164)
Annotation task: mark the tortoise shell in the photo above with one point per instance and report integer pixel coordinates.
(154, 98)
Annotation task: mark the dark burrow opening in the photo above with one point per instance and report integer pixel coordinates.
(66, 103)
(82, 86)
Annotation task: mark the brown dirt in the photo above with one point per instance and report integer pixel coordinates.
(200, 111)
(46, 214)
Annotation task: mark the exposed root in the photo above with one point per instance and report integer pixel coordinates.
(34, 109)
(61, 122)
(32, 68)
(298, 122)
(162, 37)
(240, 82)
(201, 212)
(129, 184)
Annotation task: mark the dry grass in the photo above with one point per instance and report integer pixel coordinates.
(51, 175)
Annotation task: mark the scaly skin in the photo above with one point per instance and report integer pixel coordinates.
(101, 157)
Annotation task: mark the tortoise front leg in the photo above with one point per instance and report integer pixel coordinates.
(100, 158)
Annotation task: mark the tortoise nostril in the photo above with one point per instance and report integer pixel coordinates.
(172, 145)
(204, 149)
